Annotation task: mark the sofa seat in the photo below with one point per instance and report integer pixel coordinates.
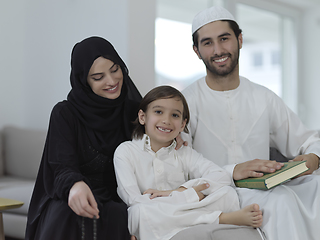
(14, 220)
(17, 189)
(20, 155)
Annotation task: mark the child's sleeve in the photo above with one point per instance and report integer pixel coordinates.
(202, 170)
(128, 187)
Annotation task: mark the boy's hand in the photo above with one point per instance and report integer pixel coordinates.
(200, 188)
(154, 193)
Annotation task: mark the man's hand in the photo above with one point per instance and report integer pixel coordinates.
(255, 168)
(180, 142)
(82, 201)
(312, 162)
(200, 188)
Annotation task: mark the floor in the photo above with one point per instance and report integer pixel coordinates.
(9, 238)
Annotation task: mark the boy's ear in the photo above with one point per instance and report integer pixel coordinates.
(141, 117)
(183, 125)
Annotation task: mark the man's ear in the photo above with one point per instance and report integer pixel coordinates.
(141, 117)
(195, 49)
(240, 40)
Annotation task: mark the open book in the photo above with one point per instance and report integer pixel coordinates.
(270, 180)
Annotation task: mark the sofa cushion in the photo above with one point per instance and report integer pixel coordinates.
(22, 151)
(17, 189)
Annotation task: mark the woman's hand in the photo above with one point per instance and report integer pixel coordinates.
(180, 142)
(82, 201)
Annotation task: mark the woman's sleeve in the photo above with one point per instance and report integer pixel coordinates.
(61, 163)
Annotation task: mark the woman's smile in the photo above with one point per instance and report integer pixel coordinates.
(105, 78)
(112, 89)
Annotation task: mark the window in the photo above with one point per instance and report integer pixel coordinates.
(268, 55)
(261, 38)
(275, 57)
(257, 58)
(176, 63)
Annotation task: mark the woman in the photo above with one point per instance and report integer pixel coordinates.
(75, 192)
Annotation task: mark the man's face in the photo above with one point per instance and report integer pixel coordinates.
(218, 48)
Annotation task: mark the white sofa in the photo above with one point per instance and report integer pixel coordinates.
(20, 155)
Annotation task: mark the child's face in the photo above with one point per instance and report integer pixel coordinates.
(163, 121)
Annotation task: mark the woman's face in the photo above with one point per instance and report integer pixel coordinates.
(105, 78)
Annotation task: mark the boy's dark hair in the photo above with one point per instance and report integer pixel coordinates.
(161, 92)
(233, 25)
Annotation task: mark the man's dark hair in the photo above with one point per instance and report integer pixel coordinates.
(233, 25)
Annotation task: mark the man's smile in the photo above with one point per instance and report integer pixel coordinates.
(220, 60)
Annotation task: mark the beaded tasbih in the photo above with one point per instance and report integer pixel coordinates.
(83, 230)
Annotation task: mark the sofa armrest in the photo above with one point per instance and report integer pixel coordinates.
(276, 155)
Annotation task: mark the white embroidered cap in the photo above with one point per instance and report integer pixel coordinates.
(209, 15)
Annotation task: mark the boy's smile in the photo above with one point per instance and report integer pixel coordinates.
(164, 129)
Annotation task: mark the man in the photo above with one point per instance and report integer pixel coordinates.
(234, 122)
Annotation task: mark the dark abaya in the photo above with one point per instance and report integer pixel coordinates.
(83, 133)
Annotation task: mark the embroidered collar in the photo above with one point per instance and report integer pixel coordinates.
(145, 145)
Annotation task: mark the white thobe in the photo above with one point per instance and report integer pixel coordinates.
(138, 168)
(230, 127)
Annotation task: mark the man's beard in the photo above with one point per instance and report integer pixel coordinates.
(222, 72)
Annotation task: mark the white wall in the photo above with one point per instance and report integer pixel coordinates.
(11, 61)
(141, 34)
(37, 38)
(36, 42)
(309, 80)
